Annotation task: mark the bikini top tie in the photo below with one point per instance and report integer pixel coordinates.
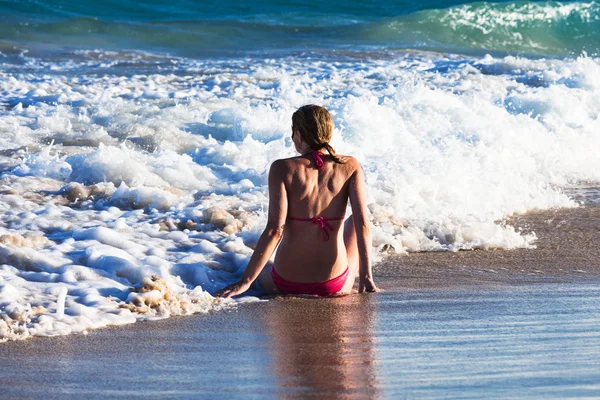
(318, 160)
(320, 221)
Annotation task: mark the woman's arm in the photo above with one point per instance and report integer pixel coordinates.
(358, 202)
(270, 237)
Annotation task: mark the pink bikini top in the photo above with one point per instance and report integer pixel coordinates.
(322, 222)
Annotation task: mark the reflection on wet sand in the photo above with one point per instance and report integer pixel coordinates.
(323, 347)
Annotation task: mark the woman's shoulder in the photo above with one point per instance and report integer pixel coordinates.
(283, 165)
(349, 160)
(286, 162)
(349, 163)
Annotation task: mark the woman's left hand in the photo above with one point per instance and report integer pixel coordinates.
(367, 285)
(233, 290)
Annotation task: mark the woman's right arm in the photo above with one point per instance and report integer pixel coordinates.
(358, 202)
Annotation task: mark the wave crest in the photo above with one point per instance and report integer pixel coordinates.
(548, 28)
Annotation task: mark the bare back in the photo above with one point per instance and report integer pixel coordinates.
(303, 254)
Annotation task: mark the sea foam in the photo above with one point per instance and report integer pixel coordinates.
(141, 193)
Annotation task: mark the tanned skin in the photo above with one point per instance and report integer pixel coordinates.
(297, 189)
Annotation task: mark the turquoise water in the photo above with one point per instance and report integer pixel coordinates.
(200, 29)
(153, 10)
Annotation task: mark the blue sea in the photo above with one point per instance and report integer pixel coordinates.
(227, 28)
(136, 137)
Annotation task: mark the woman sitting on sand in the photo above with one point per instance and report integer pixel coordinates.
(308, 195)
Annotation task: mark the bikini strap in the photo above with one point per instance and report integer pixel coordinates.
(322, 222)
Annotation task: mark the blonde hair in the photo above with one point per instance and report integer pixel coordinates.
(316, 128)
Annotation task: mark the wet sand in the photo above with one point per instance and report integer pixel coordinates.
(567, 250)
(473, 324)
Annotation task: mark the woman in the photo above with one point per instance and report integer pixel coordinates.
(307, 203)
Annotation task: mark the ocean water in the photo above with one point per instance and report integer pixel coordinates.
(526, 342)
(135, 137)
(229, 27)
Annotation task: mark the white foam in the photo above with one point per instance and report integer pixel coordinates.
(43, 165)
(143, 197)
(155, 189)
(60, 303)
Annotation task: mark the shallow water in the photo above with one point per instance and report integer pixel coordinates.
(527, 341)
(524, 342)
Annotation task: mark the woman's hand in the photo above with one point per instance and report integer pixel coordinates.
(366, 285)
(233, 290)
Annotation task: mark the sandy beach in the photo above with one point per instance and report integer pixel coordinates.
(567, 250)
(469, 324)
(136, 144)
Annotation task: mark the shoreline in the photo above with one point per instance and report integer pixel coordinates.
(567, 251)
(476, 323)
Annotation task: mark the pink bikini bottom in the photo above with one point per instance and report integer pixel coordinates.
(326, 288)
